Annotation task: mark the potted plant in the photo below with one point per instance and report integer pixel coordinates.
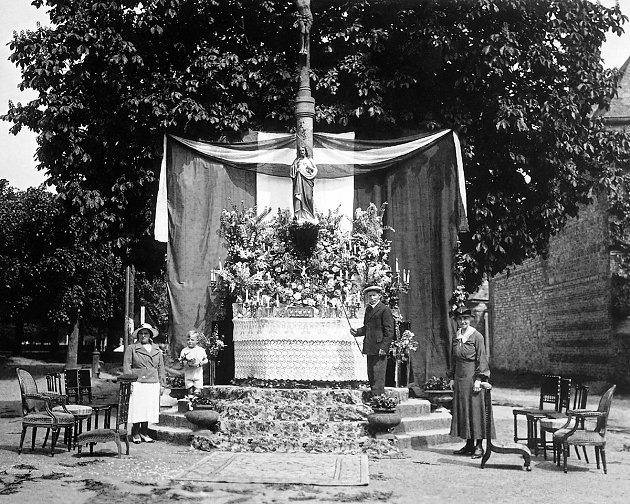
(385, 417)
(439, 393)
(177, 386)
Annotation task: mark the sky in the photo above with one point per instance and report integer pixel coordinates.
(17, 152)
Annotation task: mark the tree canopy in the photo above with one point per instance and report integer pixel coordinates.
(517, 79)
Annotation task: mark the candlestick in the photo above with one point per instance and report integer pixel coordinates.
(220, 265)
(277, 301)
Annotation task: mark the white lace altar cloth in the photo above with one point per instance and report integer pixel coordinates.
(315, 349)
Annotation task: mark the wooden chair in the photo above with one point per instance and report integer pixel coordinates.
(491, 446)
(553, 422)
(120, 430)
(577, 432)
(533, 417)
(549, 395)
(37, 411)
(78, 386)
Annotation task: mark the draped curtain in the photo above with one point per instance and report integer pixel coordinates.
(421, 179)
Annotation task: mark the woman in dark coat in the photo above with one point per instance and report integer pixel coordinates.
(469, 367)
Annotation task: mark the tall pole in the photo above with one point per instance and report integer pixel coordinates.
(304, 102)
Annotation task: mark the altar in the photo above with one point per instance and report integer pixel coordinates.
(314, 349)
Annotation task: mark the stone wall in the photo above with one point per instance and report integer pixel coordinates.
(553, 315)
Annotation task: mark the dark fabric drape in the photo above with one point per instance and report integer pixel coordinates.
(425, 210)
(198, 189)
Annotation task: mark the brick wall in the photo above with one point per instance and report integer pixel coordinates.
(553, 315)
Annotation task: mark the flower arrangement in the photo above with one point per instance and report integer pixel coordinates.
(383, 401)
(279, 261)
(403, 345)
(435, 383)
(212, 344)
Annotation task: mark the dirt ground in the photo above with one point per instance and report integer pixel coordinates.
(429, 475)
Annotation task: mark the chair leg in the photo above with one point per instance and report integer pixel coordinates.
(602, 451)
(127, 443)
(565, 449)
(53, 441)
(577, 452)
(515, 430)
(45, 438)
(597, 456)
(543, 440)
(92, 448)
(22, 439)
(117, 440)
(585, 454)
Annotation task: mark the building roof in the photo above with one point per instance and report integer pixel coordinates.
(618, 114)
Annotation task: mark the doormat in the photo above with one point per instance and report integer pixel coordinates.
(322, 469)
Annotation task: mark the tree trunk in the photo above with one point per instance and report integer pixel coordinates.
(73, 347)
(19, 337)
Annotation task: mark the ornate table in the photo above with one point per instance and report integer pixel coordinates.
(316, 349)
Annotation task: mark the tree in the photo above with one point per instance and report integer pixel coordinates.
(48, 274)
(518, 79)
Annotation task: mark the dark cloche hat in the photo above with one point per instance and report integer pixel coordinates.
(462, 312)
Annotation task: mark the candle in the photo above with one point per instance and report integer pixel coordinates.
(220, 265)
(408, 275)
(258, 296)
(277, 300)
(267, 301)
(397, 265)
(141, 315)
(246, 295)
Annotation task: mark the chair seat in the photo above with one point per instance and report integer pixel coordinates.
(44, 419)
(99, 435)
(530, 411)
(78, 410)
(580, 437)
(552, 424)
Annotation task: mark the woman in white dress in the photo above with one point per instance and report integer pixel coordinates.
(144, 360)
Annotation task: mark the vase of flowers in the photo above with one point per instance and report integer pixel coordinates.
(213, 345)
(400, 350)
(439, 393)
(384, 417)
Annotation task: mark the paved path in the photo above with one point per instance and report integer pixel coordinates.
(431, 476)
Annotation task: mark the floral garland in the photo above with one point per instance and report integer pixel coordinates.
(274, 261)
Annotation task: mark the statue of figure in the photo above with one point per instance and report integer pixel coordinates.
(305, 21)
(303, 172)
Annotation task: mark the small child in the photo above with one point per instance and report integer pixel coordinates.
(193, 357)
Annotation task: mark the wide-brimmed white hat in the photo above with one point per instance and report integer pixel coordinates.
(146, 326)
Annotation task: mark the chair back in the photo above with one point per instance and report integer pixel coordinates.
(604, 407)
(71, 383)
(564, 402)
(550, 391)
(85, 386)
(27, 386)
(54, 383)
(124, 393)
(580, 397)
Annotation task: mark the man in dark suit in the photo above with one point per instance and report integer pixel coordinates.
(378, 329)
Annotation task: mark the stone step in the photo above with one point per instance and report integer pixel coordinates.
(437, 420)
(414, 408)
(423, 438)
(169, 434)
